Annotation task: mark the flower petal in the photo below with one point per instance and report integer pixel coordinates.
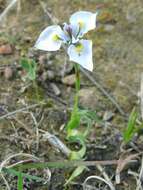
(81, 53)
(85, 20)
(49, 39)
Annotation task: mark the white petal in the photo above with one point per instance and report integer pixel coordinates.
(49, 39)
(86, 21)
(83, 55)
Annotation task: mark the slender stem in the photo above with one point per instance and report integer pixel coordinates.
(74, 120)
(63, 164)
(77, 86)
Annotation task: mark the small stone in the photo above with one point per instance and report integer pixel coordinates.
(88, 98)
(44, 76)
(42, 59)
(130, 17)
(108, 115)
(55, 89)
(69, 80)
(108, 27)
(6, 49)
(8, 73)
(48, 75)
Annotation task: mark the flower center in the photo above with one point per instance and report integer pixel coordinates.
(56, 37)
(79, 48)
(81, 24)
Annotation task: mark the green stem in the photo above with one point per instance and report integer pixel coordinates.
(75, 119)
(77, 86)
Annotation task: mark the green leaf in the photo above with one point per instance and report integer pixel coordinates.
(74, 121)
(21, 174)
(78, 155)
(131, 127)
(75, 174)
(20, 182)
(29, 65)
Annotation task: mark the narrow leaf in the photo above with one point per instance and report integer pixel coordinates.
(131, 127)
(75, 174)
(20, 182)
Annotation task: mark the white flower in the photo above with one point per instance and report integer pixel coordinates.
(85, 20)
(49, 39)
(79, 50)
(81, 53)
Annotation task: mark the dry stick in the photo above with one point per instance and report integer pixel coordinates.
(50, 16)
(103, 91)
(4, 13)
(3, 163)
(37, 130)
(141, 95)
(139, 181)
(19, 110)
(67, 164)
(105, 175)
(61, 101)
(114, 102)
(25, 127)
(5, 181)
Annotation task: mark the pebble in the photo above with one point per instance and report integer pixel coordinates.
(6, 49)
(69, 80)
(8, 73)
(48, 75)
(88, 98)
(42, 59)
(55, 89)
(108, 115)
(108, 27)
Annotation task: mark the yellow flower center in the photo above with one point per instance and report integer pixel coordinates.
(56, 37)
(81, 24)
(79, 48)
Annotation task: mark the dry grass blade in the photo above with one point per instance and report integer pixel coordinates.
(5, 181)
(5, 162)
(122, 163)
(5, 12)
(105, 175)
(140, 179)
(19, 110)
(99, 179)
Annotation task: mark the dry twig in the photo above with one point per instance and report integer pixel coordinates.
(19, 110)
(141, 95)
(5, 12)
(140, 178)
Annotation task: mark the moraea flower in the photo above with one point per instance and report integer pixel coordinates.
(78, 49)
